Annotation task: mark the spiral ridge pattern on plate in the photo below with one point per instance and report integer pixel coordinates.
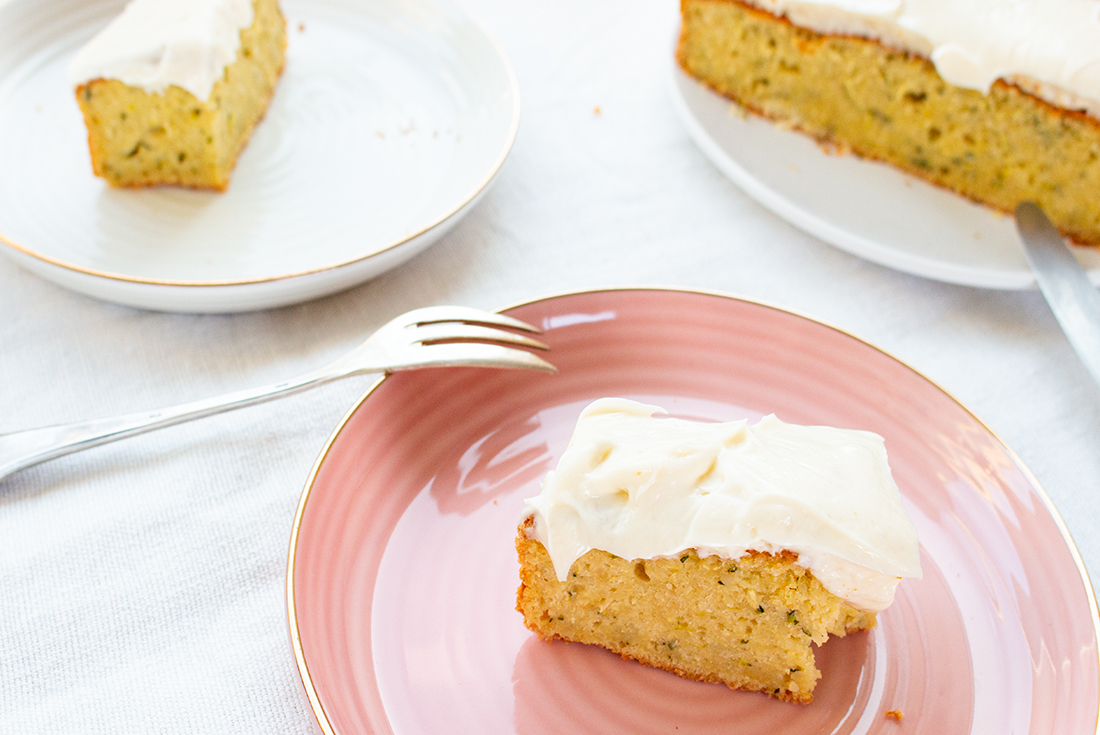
(403, 571)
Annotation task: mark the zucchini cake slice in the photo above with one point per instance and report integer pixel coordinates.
(722, 552)
(171, 90)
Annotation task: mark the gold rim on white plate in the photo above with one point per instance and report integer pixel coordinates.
(486, 71)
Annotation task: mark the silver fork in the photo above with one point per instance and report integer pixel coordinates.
(436, 336)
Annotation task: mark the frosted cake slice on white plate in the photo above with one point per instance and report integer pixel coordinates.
(172, 89)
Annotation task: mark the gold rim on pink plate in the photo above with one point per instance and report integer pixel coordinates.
(401, 570)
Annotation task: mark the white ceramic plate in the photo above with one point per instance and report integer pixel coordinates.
(866, 208)
(390, 120)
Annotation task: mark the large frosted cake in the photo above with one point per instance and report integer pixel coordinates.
(996, 100)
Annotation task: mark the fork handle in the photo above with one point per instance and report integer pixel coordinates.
(22, 449)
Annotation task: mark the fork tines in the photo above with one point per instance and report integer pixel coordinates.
(441, 314)
(463, 335)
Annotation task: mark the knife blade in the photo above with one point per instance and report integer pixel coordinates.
(1065, 285)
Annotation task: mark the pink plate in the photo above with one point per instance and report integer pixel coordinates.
(402, 572)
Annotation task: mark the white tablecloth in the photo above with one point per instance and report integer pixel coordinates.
(142, 583)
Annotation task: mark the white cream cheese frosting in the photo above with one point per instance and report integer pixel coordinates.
(155, 44)
(643, 487)
(1050, 48)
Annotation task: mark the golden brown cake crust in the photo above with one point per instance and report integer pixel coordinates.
(880, 103)
(748, 623)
